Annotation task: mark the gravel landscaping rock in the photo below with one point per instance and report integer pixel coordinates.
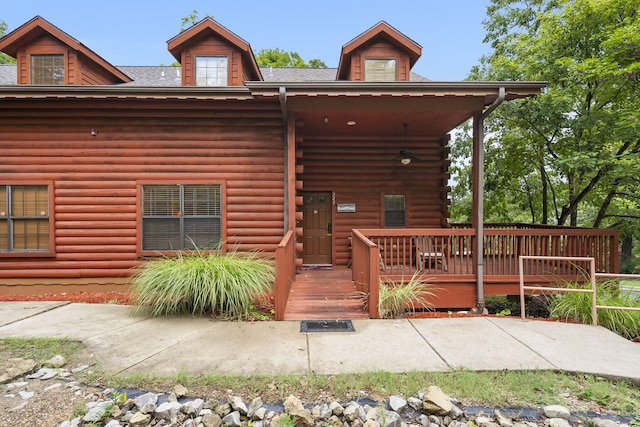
(51, 397)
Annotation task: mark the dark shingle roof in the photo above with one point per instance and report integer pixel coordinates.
(8, 74)
(166, 75)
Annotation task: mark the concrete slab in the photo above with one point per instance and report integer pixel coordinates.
(74, 321)
(475, 343)
(243, 348)
(577, 348)
(11, 312)
(118, 349)
(376, 345)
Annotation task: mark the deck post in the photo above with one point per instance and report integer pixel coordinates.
(478, 192)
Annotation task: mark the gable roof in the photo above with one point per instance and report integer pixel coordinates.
(380, 30)
(178, 43)
(37, 27)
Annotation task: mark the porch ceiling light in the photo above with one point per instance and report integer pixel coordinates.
(405, 161)
(351, 123)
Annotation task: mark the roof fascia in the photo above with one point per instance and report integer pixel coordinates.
(12, 41)
(99, 92)
(486, 89)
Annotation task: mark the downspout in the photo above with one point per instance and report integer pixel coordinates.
(478, 134)
(282, 95)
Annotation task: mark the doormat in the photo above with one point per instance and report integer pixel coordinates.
(326, 326)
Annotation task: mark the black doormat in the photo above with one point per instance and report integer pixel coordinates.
(326, 326)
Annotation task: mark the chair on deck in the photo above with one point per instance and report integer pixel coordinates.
(430, 251)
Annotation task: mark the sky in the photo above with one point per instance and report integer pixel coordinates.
(135, 32)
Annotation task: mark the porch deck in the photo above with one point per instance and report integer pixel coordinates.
(324, 295)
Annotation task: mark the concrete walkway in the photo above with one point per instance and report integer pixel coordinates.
(124, 343)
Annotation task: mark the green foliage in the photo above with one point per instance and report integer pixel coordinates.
(569, 155)
(190, 20)
(225, 284)
(277, 58)
(396, 297)
(577, 306)
(285, 420)
(5, 59)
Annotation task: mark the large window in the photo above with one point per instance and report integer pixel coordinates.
(24, 218)
(394, 210)
(380, 70)
(47, 69)
(211, 70)
(176, 217)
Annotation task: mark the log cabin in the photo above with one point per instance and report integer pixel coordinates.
(103, 165)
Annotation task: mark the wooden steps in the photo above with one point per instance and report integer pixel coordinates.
(325, 295)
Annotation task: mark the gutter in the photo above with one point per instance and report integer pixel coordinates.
(479, 249)
(282, 95)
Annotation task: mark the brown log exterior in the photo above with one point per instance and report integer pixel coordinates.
(95, 180)
(361, 171)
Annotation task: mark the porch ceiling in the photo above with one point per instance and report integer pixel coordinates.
(382, 116)
(430, 108)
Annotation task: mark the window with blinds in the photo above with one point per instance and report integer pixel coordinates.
(182, 216)
(47, 69)
(394, 210)
(211, 70)
(24, 218)
(380, 70)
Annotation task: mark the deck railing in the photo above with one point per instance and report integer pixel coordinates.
(366, 270)
(450, 251)
(285, 273)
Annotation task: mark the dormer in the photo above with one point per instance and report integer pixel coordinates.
(380, 54)
(211, 55)
(46, 55)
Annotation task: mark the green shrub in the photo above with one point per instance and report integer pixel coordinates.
(223, 284)
(577, 306)
(396, 297)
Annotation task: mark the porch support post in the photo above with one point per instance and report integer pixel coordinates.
(291, 175)
(478, 192)
(289, 163)
(478, 204)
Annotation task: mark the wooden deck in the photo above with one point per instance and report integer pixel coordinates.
(324, 295)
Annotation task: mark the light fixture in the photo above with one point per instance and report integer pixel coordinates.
(405, 161)
(351, 123)
(94, 132)
(326, 119)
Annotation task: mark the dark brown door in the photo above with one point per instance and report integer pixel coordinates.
(317, 228)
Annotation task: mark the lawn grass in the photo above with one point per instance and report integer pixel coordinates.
(492, 389)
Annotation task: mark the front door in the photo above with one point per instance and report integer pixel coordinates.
(317, 228)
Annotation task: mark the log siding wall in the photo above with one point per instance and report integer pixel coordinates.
(361, 171)
(95, 179)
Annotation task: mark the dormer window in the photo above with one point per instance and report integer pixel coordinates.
(380, 70)
(211, 70)
(47, 69)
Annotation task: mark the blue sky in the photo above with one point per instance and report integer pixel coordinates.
(135, 32)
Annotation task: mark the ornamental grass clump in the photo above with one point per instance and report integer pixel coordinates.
(222, 284)
(397, 297)
(576, 306)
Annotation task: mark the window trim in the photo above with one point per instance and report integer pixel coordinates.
(52, 229)
(139, 212)
(32, 55)
(383, 209)
(211, 55)
(382, 58)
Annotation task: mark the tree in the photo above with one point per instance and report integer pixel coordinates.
(572, 153)
(280, 59)
(5, 59)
